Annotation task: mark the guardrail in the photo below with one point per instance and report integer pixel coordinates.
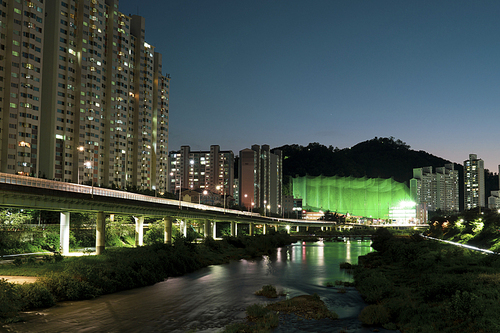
(86, 189)
(470, 247)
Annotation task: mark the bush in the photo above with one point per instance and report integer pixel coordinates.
(375, 287)
(35, 295)
(10, 301)
(257, 311)
(374, 314)
(66, 287)
(268, 291)
(345, 265)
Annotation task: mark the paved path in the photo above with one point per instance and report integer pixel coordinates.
(19, 279)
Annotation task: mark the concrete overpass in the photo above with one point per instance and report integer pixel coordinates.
(36, 193)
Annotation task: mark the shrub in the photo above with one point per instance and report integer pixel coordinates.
(10, 301)
(268, 291)
(65, 287)
(35, 295)
(374, 314)
(257, 311)
(18, 261)
(375, 287)
(345, 265)
(381, 239)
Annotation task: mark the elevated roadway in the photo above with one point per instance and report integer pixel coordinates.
(36, 193)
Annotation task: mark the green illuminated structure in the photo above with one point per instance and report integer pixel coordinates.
(367, 197)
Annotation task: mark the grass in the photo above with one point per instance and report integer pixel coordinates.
(425, 286)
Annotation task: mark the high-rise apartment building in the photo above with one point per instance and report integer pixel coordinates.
(208, 170)
(261, 178)
(474, 186)
(100, 112)
(21, 67)
(433, 191)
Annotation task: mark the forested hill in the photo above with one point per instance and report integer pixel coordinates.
(379, 157)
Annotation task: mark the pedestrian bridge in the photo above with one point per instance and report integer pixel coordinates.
(42, 194)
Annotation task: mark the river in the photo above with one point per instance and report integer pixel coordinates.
(211, 298)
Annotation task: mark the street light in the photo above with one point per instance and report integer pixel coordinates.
(224, 192)
(80, 150)
(88, 164)
(180, 184)
(248, 205)
(199, 196)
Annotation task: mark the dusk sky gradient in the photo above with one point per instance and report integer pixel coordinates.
(334, 72)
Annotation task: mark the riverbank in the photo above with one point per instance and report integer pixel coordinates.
(425, 286)
(87, 277)
(209, 299)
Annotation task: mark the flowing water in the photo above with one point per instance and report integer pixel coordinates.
(211, 298)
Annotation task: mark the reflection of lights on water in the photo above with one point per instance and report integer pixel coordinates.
(348, 251)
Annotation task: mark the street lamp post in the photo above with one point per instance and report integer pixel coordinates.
(199, 196)
(265, 206)
(224, 195)
(80, 150)
(88, 164)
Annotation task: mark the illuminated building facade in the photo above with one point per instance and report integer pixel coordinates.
(261, 178)
(439, 190)
(206, 170)
(21, 60)
(104, 103)
(474, 186)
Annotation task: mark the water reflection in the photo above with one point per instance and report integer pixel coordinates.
(209, 299)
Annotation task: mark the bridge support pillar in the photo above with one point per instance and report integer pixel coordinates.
(100, 233)
(167, 230)
(276, 227)
(207, 230)
(250, 229)
(64, 233)
(139, 230)
(184, 227)
(264, 229)
(234, 231)
(298, 229)
(214, 232)
(307, 228)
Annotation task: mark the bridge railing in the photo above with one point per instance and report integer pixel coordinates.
(86, 189)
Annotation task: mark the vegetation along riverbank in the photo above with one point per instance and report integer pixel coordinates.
(78, 278)
(416, 285)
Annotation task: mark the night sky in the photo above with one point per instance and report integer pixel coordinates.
(334, 72)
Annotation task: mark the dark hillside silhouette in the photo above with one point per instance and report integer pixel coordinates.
(379, 157)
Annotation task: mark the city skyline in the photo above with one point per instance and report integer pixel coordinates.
(332, 72)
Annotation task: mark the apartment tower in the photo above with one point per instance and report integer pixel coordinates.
(261, 178)
(104, 103)
(474, 186)
(21, 68)
(207, 170)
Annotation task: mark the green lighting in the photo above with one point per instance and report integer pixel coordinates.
(367, 197)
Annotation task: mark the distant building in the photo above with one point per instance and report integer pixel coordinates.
(261, 178)
(494, 198)
(206, 170)
(433, 191)
(474, 185)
